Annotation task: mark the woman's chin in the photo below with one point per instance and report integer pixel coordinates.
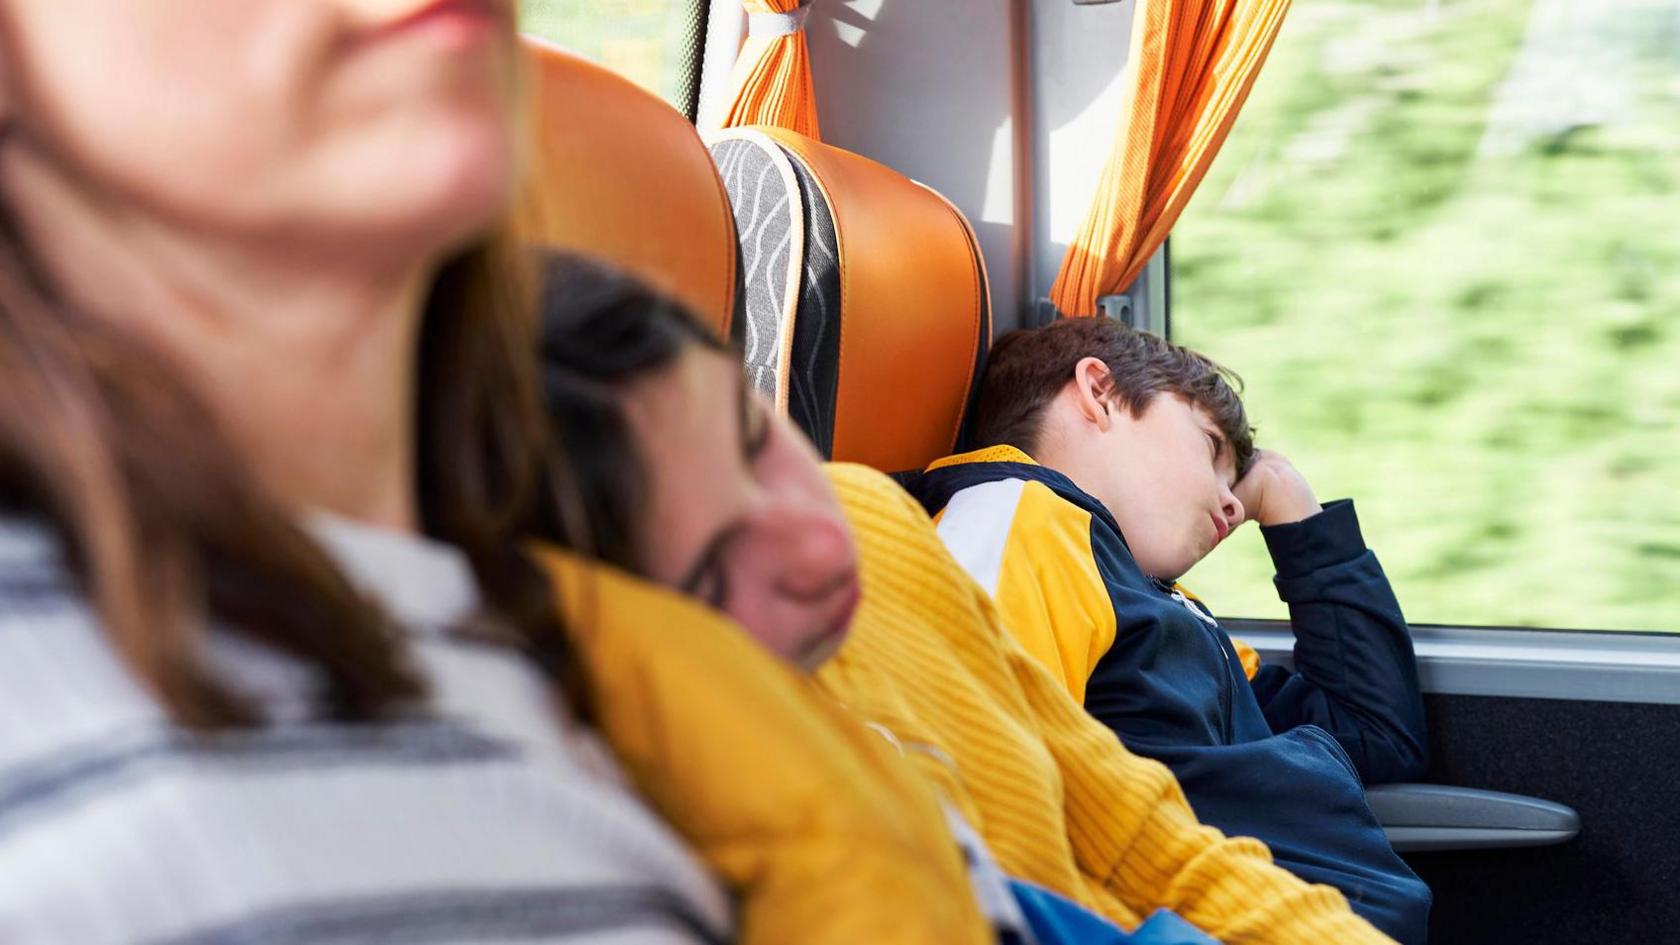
(425, 209)
(463, 188)
(469, 206)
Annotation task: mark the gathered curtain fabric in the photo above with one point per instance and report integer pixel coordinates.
(773, 74)
(1193, 63)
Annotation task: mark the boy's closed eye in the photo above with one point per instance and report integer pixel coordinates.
(1220, 450)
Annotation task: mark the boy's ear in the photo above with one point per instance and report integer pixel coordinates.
(1090, 389)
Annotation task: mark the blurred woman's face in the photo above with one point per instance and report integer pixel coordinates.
(329, 126)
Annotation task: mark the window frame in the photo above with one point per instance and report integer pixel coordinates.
(694, 82)
(1518, 662)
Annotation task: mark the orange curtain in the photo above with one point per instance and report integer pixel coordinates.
(1194, 62)
(773, 77)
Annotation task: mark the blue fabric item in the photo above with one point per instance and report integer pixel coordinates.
(1058, 921)
(1280, 758)
(1169, 928)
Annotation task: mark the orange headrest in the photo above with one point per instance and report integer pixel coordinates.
(622, 176)
(867, 313)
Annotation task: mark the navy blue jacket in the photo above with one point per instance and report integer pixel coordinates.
(1282, 757)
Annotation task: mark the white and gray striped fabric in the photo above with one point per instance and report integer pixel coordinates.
(486, 818)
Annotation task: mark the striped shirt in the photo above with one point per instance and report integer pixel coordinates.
(488, 817)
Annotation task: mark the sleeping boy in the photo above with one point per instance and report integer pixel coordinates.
(1113, 461)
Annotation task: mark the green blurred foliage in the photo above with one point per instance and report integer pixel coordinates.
(1440, 246)
(645, 40)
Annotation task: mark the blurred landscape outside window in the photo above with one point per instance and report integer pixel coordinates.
(1441, 247)
(655, 43)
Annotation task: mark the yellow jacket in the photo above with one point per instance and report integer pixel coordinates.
(814, 821)
(1052, 791)
(1046, 582)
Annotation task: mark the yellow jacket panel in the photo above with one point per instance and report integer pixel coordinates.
(816, 823)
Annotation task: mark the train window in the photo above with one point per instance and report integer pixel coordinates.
(1439, 246)
(656, 43)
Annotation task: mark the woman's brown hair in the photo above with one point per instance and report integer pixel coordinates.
(166, 530)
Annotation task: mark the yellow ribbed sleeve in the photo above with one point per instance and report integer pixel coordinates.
(817, 825)
(1056, 796)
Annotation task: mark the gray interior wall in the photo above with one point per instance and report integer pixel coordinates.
(927, 87)
(1078, 55)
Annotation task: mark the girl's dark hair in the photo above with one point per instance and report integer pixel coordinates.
(166, 529)
(601, 330)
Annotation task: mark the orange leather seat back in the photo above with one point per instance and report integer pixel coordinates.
(622, 176)
(867, 313)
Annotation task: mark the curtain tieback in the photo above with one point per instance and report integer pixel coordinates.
(771, 25)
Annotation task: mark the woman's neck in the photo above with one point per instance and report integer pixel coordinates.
(319, 397)
(308, 362)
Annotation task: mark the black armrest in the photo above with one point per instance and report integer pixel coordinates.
(1419, 817)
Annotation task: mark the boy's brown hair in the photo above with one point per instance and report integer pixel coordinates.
(1027, 368)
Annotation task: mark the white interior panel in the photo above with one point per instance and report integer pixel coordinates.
(1079, 86)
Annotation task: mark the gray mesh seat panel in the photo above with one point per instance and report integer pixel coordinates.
(790, 266)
